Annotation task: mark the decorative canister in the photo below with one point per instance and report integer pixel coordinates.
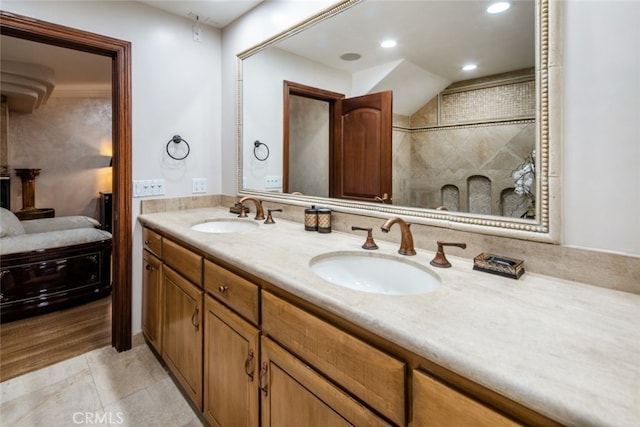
(311, 219)
(324, 220)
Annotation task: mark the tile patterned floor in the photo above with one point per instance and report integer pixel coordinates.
(102, 387)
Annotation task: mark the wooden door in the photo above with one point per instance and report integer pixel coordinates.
(152, 299)
(294, 395)
(362, 157)
(231, 368)
(182, 332)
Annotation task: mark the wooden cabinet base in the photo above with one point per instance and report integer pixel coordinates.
(231, 351)
(293, 394)
(182, 332)
(438, 405)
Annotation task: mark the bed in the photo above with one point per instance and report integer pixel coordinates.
(52, 263)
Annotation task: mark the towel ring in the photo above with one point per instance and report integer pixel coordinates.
(257, 145)
(177, 139)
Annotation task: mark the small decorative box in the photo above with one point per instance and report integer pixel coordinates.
(500, 265)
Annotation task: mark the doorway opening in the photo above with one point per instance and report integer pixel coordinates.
(120, 53)
(343, 145)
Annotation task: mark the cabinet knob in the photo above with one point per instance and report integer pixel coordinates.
(149, 267)
(146, 242)
(223, 289)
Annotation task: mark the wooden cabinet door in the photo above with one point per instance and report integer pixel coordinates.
(152, 299)
(182, 332)
(373, 376)
(293, 394)
(230, 369)
(437, 404)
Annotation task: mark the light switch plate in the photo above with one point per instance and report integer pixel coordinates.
(199, 185)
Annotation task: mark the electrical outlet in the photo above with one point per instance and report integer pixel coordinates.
(158, 187)
(148, 187)
(272, 181)
(199, 185)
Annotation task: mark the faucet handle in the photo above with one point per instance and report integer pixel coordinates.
(369, 243)
(243, 211)
(440, 260)
(269, 219)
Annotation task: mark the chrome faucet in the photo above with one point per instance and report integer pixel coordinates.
(258, 203)
(406, 239)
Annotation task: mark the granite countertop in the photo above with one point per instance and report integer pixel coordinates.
(564, 349)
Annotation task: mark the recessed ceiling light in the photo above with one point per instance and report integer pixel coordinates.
(352, 56)
(469, 67)
(498, 7)
(388, 44)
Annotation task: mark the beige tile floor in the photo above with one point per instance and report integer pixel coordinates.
(102, 387)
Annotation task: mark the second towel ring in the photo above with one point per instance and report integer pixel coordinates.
(177, 139)
(257, 145)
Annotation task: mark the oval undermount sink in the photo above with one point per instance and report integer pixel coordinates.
(375, 273)
(226, 225)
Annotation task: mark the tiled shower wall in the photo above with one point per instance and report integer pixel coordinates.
(472, 136)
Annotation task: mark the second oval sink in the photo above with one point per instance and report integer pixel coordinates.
(375, 273)
(226, 225)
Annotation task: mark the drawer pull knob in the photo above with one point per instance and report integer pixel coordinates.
(195, 319)
(263, 373)
(248, 365)
(223, 289)
(146, 242)
(150, 267)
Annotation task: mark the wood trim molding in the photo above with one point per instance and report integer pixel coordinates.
(120, 51)
(333, 99)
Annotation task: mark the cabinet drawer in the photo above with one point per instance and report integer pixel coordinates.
(239, 294)
(152, 242)
(369, 374)
(436, 404)
(183, 260)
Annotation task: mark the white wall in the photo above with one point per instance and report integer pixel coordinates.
(601, 152)
(263, 22)
(175, 87)
(262, 96)
(601, 172)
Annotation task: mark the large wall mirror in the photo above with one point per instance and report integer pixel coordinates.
(472, 125)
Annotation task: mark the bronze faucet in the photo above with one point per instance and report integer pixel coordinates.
(369, 244)
(258, 203)
(440, 260)
(406, 239)
(269, 219)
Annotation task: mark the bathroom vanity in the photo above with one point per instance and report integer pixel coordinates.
(254, 337)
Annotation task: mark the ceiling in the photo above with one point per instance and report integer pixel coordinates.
(31, 71)
(426, 41)
(435, 38)
(216, 13)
